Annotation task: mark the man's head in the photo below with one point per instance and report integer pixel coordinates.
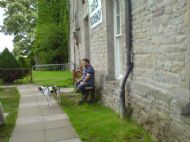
(85, 62)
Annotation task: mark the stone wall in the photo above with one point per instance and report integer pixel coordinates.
(156, 111)
(159, 112)
(158, 86)
(159, 38)
(97, 39)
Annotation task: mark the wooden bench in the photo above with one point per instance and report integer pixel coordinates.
(91, 92)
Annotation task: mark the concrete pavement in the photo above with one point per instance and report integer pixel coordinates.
(36, 122)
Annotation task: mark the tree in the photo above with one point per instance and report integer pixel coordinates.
(23, 62)
(46, 43)
(7, 60)
(8, 66)
(52, 31)
(20, 21)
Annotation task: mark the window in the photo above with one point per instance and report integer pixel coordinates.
(117, 17)
(117, 39)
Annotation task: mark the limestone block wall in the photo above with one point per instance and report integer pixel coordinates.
(159, 42)
(158, 86)
(97, 39)
(98, 45)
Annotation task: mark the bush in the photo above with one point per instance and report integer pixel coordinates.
(7, 60)
(9, 67)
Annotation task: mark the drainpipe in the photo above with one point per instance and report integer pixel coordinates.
(74, 51)
(186, 108)
(128, 43)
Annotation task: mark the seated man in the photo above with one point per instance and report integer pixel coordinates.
(87, 80)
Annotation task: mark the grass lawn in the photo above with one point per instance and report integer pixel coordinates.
(95, 123)
(9, 98)
(49, 78)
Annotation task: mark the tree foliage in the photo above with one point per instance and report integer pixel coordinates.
(48, 41)
(20, 21)
(8, 61)
(23, 62)
(52, 31)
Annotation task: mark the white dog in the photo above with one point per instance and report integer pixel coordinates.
(49, 91)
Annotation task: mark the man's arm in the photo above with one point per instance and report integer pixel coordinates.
(79, 80)
(86, 78)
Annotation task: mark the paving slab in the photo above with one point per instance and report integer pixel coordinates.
(36, 122)
(28, 99)
(29, 111)
(35, 136)
(71, 140)
(53, 110)
(28, 128)
(58, 134)
(29, 120)
(24, 105)
(55, 117)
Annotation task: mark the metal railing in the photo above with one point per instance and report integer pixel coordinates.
(50, 67)
(50, 74)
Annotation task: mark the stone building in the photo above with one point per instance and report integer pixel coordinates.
(158, 86)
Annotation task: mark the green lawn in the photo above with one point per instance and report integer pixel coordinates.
(9, 98)
(49, 78)
(95, 123)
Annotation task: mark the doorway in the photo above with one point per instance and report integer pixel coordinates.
(86, 38)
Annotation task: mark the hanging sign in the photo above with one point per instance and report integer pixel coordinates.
(95, 12)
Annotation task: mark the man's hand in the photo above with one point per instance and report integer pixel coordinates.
(78, 81)
(82, 82)
(87, 78)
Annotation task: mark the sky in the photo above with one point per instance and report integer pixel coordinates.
(5, 41)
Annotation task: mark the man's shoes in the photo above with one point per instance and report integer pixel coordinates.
(91, 101)
(81, 102)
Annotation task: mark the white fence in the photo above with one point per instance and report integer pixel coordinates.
(50, 67)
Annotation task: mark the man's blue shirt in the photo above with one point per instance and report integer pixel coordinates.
(90, 70)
